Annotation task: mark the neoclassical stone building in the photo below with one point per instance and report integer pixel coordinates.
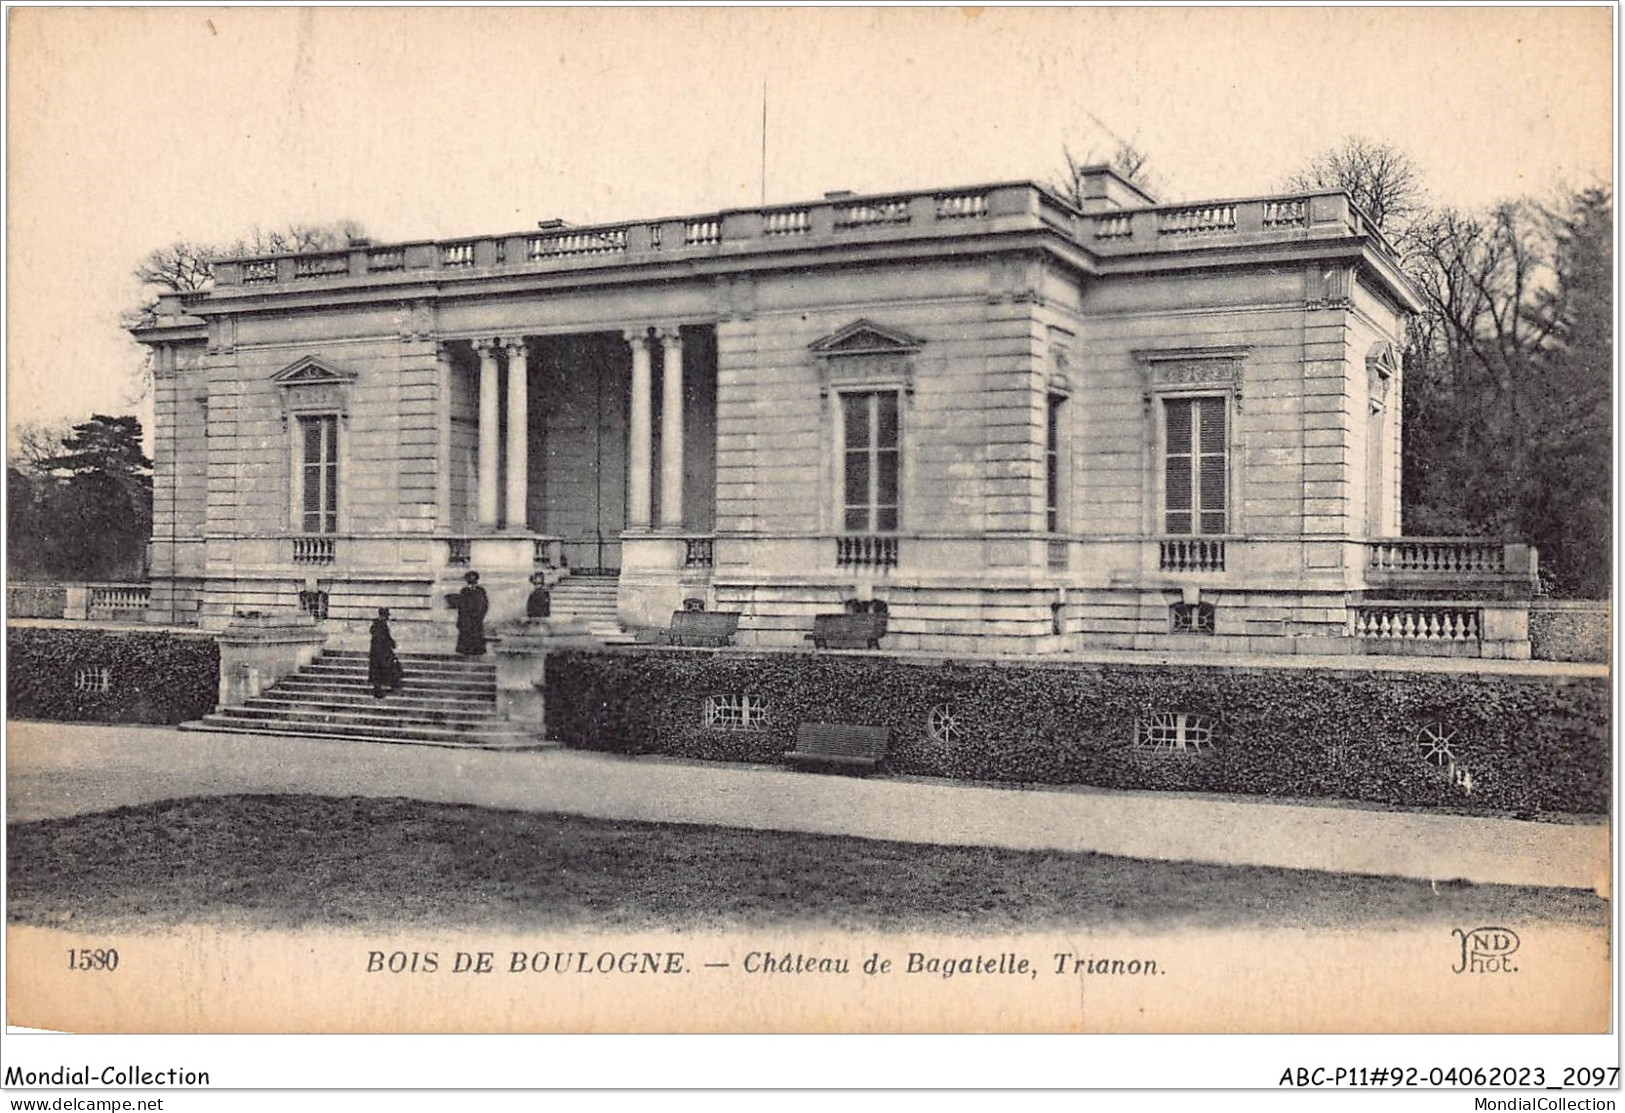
(1024, 427)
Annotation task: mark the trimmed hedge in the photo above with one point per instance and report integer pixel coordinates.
(153, 677)
(1570, 631)
(1530, 744)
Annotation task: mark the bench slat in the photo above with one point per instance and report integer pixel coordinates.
(840, 744)
(847, 631)
(715, 628)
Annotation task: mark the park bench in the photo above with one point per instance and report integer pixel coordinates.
(702, 627)
(839, 744)
(847, 631)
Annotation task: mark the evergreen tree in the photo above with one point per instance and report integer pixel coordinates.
(86, 513)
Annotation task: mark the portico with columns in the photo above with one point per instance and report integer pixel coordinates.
(590, 451)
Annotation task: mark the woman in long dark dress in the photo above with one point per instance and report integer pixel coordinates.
(471, 607)
(384, 670)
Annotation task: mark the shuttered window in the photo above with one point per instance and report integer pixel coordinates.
(320, 473)
(1195, 466)
(871, 462)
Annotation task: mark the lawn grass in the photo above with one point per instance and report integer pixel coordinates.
(308, 861)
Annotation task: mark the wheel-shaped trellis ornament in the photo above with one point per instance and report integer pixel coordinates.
(942, 724)
(1434, 741)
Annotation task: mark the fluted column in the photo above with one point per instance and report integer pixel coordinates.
(489, 416)
(671, 431)
(639, 454)
(518, 431)
(442, 435)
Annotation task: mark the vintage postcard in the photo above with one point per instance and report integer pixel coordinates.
(812, 521)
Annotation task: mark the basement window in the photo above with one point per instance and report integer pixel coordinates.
(1191, 618)
(313, 603)
(1175, 733)
(93, 678)
(735, 712)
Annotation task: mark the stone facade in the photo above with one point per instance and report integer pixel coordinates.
(1023, 427)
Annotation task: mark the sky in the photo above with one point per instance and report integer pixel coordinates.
(128, 129)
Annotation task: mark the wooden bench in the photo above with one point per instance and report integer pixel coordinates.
(847, 631)
(703, 627)
(839, 744)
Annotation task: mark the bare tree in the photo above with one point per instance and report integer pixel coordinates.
(1508, 381)
(33, 444)
(1382, 179)
(186, 265)
(1125, 158)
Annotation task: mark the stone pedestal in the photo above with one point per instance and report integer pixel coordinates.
(257, 650)
(521, 659)
(654, 580)
(1505, 630)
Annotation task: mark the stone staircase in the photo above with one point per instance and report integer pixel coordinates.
(443, 701)
(590, 601)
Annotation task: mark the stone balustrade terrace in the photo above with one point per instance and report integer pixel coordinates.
(1510, 570)
(1000, 208)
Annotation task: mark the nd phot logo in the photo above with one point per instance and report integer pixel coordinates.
(1487, 950)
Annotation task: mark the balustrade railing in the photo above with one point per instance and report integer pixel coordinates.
(787, 222)
(387, 259)
(110, 600)
(861, 214)
(457, 255)
(866, 551)
(605, 241)
(961, 206)
(542, 552)
(699, 552)
(1418, 622)
(1114, 226)
(1291, 213)
(258, 272)
(1190, 554)
(1145, 229)
(459, 550)
(696, 232)
(1196, 220)
(1058, 554)
(320, 266)
(1440, 557)
(314, 550)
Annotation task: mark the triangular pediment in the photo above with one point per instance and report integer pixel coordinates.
(864, 337)
(1381, 359)
(311, 370)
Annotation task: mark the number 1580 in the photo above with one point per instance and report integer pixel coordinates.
(93, 959)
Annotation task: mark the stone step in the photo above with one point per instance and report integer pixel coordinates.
(488, 740)
(317, 687)
(444, 700)
(362, 698)
(451, 659)
(423, 667)
(475, 721)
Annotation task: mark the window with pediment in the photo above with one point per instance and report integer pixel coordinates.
(315, 402)
(867, 372)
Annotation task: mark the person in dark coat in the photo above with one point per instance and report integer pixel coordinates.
(384, 670)
(540, 603)
(472, 604)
